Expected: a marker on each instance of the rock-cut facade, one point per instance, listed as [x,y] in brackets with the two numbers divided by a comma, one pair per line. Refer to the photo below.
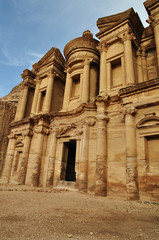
[90,119]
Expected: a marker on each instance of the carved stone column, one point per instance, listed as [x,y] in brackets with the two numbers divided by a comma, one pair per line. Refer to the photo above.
[139,66]
[35,99]
[41,131]
[51,162]
[103,68]
[48,98]
[25,155]
[22,103]
[154,21]
[128,54]
[144,66]
[67,90]
[9,160]
[101,155]
[83,163]
[28,80]
[86,81]
[131,155]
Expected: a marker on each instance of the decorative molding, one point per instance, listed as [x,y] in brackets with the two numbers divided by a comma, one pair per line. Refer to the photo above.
[42,130]
[70,130]
[147,122]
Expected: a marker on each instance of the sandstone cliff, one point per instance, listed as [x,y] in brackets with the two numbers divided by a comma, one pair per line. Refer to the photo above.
[8,106]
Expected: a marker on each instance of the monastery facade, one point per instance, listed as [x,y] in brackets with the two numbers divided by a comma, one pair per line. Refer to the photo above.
[91,119]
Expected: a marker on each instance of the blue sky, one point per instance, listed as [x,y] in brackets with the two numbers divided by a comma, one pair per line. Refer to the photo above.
[29,28]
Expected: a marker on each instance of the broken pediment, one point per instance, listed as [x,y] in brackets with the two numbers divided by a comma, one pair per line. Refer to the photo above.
[69,131]
[151,121]
[107,23]
[52,56]
[19,143]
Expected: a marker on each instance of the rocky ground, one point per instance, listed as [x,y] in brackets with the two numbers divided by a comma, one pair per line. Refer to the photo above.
[60,215]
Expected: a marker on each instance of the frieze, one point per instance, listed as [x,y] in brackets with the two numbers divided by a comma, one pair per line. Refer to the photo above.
[69,131]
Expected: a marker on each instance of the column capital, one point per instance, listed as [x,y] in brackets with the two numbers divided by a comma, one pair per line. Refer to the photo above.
[128,36]
[102,47]
[12,136]
[42,130]
[130,111]
[87,61]
[152,21]
[28,132]
[67,70]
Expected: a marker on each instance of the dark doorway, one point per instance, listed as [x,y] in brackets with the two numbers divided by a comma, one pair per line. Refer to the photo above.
[68,162]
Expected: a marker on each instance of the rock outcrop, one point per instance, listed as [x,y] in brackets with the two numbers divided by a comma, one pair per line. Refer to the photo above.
[8,105]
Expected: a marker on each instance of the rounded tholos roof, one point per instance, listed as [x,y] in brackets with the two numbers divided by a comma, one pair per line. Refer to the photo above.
[84,43]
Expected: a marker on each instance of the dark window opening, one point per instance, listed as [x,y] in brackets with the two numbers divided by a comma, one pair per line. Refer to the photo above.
[68,162]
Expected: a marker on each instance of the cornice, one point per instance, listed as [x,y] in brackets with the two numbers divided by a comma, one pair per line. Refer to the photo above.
[124,92]
[28,74]
[150,4]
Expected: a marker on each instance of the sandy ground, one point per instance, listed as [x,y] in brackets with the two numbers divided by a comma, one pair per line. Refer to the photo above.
[73,215]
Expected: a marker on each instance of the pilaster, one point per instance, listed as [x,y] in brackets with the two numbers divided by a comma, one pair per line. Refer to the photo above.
[101,154]
[86,80]
[128,54]
[24,162]
[35,99]
[48,98]
[51,159]
[131,155]
[67,90]
[83,163]
[28,81]
[103,68]
[40,131]
[9,160]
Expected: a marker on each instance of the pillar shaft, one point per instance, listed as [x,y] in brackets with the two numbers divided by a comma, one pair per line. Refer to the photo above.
[22,104]
[131,157]
[48,98]
[101,154]
[51,161]
[103,70]
[86,81]
[128,54]
[67,91]
[8,161]
[139,67]
[37,160]
[156,32]
[24,161]
[83,164]
[35,99]
[144,67]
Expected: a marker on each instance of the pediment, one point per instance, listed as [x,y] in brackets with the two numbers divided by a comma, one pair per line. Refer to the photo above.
[107,23]
[69,131]
[52,56]
[19,143]
[147,122]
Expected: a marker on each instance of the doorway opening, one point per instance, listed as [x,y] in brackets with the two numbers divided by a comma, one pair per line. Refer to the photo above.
[68,161]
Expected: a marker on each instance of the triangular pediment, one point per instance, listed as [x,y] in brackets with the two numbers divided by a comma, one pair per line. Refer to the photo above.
[53,55]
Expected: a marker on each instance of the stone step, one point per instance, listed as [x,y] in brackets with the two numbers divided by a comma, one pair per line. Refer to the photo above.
[67,185]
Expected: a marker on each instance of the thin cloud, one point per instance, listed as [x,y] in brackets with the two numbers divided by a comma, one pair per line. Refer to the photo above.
[10,60]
